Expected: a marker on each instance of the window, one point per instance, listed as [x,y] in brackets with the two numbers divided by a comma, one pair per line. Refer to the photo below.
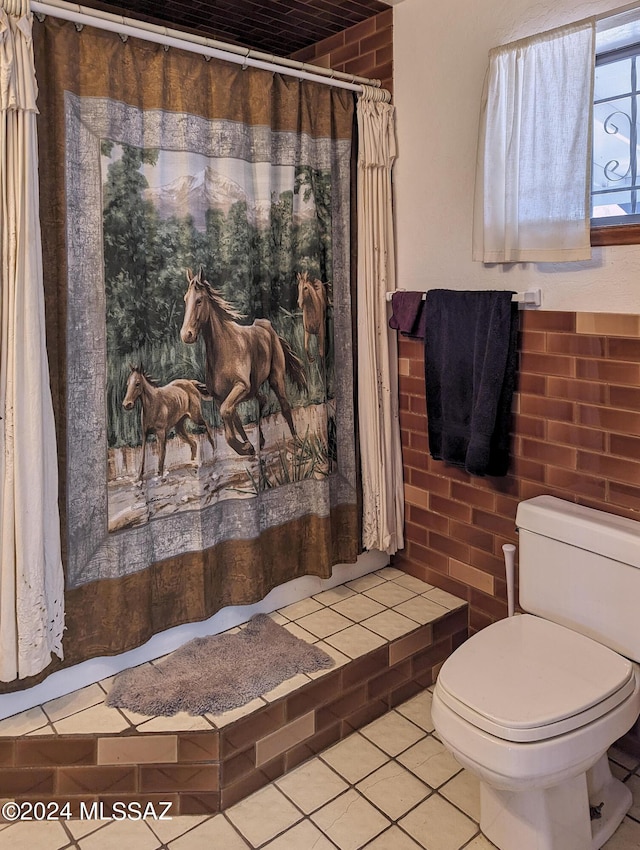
[615,193]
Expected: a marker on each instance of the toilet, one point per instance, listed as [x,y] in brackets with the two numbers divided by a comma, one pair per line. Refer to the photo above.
[531,704]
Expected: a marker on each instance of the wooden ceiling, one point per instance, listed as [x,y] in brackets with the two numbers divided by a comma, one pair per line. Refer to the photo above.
[278,27]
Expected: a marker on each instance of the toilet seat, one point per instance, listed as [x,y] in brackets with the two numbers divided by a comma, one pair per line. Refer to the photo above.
[527,679]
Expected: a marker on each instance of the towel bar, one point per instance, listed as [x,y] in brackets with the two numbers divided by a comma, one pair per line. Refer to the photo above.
[530,298]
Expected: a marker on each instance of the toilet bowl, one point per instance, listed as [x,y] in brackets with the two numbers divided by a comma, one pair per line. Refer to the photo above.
[518,712]
[531,706]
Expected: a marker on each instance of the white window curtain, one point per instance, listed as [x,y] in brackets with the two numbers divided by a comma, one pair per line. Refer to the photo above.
[381,454]
[31,577]
[533,180]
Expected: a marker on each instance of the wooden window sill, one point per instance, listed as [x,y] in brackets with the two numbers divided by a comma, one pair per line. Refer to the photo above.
[616,234]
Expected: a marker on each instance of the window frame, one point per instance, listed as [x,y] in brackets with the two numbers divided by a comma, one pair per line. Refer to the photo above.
[618,233]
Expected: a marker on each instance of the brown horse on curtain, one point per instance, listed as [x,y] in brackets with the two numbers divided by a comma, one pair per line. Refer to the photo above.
[312,300]
[164,408]
[240,358]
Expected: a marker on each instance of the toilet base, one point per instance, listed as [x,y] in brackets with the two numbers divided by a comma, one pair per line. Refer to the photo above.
[555,818]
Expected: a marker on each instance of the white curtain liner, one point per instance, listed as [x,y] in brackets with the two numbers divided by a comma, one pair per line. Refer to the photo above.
[381,453]
[85,16]
[31,574]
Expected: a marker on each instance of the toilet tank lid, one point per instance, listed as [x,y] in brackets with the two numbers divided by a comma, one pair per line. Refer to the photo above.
[604,534]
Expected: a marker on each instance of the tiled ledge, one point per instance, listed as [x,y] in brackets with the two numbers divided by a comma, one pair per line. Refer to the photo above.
[388,633]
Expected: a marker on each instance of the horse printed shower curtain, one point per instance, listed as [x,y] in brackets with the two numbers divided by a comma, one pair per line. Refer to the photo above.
[196,236]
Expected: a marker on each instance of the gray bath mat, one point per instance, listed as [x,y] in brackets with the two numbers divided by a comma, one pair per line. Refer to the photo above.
[214,674]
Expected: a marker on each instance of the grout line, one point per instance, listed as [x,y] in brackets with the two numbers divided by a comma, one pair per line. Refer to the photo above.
[233,826]
[473,838]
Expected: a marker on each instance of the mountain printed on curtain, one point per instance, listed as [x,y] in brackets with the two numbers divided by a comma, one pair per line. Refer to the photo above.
[220,358]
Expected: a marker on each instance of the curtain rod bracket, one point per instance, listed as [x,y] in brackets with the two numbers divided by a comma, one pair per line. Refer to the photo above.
[530,298]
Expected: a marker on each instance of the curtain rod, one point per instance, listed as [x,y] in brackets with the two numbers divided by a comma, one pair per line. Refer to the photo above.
[84,16]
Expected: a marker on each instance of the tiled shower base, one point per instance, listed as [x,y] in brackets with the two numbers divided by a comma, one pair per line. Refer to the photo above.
[388,633]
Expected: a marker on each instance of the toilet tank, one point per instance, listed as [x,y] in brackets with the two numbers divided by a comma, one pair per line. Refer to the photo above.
[581,568]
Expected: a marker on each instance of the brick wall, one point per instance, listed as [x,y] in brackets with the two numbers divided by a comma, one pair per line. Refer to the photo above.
[365,50]
[576,435]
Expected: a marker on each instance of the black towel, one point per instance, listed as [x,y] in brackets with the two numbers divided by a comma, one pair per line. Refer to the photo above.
[408,314]
[470,371]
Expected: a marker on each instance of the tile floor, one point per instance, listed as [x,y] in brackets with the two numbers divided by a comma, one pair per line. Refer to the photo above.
[390,786]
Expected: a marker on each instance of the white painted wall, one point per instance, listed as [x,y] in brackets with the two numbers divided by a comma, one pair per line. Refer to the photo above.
[440,59]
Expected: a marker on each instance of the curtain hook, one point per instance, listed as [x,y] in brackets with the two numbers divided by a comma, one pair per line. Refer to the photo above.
[123,37]
[244,64]
[79,27]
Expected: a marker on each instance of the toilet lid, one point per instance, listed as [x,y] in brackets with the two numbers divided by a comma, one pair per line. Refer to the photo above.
[528,679]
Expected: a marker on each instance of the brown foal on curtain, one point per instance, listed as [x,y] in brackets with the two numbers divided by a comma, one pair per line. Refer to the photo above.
[164,408]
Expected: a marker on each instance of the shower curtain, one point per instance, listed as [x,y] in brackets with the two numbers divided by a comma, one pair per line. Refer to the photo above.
[196,237]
